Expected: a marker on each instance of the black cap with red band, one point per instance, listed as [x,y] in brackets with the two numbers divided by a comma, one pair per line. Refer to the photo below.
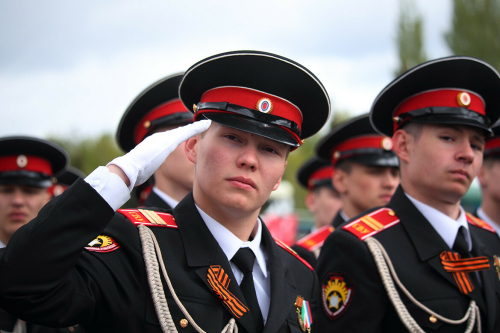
[492,146]
[65,180]
[257,92]
[356,140]
[30,161]
[453,90]
[156,107]
[315,173]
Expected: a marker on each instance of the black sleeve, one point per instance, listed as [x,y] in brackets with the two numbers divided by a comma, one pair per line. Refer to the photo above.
[305,254]
[346,259]
[46,277]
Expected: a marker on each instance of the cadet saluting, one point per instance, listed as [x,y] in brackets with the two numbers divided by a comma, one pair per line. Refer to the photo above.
[261,106]
[419,264]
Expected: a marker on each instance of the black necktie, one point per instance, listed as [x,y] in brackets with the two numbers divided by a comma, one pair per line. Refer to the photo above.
[244,260]
[462,247]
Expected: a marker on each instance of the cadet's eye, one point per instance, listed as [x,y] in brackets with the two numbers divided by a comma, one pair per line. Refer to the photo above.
[232,137]
[271,150]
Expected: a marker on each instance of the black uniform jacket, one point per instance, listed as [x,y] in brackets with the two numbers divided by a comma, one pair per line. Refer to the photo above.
[338,220]
[153,200]
[414,248]
[47,278]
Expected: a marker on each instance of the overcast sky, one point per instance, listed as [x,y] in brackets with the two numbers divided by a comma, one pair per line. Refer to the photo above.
[72,67]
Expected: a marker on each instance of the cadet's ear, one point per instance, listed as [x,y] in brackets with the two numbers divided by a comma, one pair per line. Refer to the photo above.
[279,180]
[339,181]
[191,147]
[401,141]
[482,176]
[311,201]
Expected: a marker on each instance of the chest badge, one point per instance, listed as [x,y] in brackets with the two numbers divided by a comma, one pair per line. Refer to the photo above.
[102,243]
[304,314]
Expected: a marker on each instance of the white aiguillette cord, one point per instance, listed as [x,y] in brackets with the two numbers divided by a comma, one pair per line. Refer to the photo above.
[382,260]
[152,256]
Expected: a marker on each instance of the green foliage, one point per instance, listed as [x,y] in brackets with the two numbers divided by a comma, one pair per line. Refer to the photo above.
[298,157]
[476,30]
[409,39]
[87,154]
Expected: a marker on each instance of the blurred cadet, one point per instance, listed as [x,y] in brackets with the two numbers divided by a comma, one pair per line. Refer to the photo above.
[158,109]
[65,180]
[366,168]
[489,178]
[221,268]
[143,191]
[27,167]
[322,200]
[421,264]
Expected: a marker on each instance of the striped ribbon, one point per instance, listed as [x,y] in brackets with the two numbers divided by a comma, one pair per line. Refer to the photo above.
[219,281]
[453,263]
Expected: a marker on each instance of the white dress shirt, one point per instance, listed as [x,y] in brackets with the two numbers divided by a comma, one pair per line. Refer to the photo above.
[445,226]
[1,244]
[165,197]
[482,215]
[230,244]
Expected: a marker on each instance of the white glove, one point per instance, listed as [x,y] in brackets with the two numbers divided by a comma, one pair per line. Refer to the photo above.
[142,161]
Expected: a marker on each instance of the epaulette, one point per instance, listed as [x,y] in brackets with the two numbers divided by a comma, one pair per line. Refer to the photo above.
[372,223]
[288,249]
[149,218]
[476,221]
[316,238]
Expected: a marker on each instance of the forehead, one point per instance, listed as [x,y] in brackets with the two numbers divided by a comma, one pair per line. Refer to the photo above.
[220,129]
[470,130]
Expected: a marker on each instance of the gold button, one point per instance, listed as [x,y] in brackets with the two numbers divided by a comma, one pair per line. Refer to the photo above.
[463,99]
[146,124]
[195,108]
[433,319]
[184,323]
[336,155]
[71,328]
[391,213]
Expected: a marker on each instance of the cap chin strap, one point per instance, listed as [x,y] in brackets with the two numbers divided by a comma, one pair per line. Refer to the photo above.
[152,256]
[382,261]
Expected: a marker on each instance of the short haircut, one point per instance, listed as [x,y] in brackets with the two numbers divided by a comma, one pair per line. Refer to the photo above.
[344,165]
[414,129]
[490,160]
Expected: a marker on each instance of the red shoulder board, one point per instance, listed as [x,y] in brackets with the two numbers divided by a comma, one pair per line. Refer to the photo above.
[149,218]
[476,221]
[288,249]
[372,223]
[315,239]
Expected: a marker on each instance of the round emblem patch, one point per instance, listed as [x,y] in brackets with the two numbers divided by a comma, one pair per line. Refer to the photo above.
[102,243]
[22,161]
[463,99]
[386,143]
[336,294]
[264,105]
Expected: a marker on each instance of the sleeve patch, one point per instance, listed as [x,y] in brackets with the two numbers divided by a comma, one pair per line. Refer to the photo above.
[372,223]
[102,244]
[292,252]
[336,294]
[149,218]
[315,239]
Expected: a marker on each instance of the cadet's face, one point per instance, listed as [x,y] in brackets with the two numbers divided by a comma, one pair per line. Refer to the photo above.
[235,170]
[489,176]
[444,160]
[324,203]
[367,187]
[19,204]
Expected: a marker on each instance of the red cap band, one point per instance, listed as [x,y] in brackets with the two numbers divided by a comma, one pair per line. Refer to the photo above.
[23,162]
[163,110]
[441,98]
[371,141]
[493,143]
[320,174]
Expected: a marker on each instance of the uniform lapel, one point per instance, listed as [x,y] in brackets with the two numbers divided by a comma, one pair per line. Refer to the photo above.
[202,251]
[427,242]
[283,291]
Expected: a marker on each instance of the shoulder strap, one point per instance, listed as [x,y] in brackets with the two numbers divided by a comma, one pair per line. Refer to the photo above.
[316,238]
[292,252]
[372,223]
[149,218]
[476,221]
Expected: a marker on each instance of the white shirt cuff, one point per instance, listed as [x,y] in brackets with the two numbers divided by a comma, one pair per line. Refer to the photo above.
[109,186]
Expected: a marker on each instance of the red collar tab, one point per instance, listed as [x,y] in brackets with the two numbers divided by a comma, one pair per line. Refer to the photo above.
[372,223]
[492,146]
[166,109]
[25,162]
[476,221]
[454,98]
[149,218]
[315,239]
[318,175]
[292,252]
[360,145]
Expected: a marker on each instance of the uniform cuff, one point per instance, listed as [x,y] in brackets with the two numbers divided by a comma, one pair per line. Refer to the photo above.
[109,186]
